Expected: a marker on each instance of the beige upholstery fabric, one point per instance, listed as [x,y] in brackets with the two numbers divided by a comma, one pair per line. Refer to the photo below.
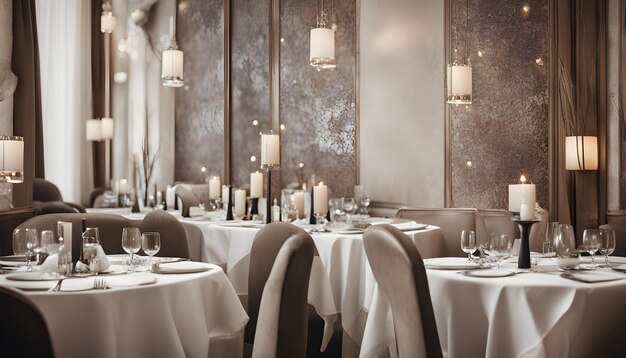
[401,277]
[24,331]
[187,198]
[451,221]
[173,238]
[45,192]
[620,237]
[282,323]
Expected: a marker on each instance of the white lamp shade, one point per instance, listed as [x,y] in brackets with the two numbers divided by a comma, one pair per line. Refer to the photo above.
[581,153]
[459,84]
[12,157]
[107,128]
[172,68]
[322,46]
[94,130]
[107,22]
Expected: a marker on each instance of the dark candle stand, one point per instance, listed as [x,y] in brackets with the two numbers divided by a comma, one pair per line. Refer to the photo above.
[269,202]
[523,261]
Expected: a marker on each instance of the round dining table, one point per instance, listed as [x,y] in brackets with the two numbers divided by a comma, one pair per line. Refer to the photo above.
[144,314]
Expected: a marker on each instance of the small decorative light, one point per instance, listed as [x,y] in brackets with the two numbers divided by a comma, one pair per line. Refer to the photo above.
[203,169]
[539,61]
[300,165]
[480,53]
[525,10]
[107,20]
[120,77]
[282,39]
[255,122]
[282,127]
[469,163]
[253,158]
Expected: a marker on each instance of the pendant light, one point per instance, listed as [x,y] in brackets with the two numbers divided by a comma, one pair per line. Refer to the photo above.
[459,73]
[172,61]
[107,20]
[322,52]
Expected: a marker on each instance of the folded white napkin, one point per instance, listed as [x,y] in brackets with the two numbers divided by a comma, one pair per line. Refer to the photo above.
[101,262]
[195,211]
[594,276]
[50,264]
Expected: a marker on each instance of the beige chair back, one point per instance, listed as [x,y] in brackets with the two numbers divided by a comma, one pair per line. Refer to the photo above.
[401,277]
[187,198]
[24,331]
[451,221]
[281,329]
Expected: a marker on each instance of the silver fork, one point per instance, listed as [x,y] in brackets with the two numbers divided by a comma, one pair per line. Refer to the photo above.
[57,287]
[100,284]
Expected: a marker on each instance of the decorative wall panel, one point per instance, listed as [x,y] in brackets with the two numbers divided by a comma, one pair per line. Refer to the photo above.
[249,85]
[317,108]
[200,103]
[504,133]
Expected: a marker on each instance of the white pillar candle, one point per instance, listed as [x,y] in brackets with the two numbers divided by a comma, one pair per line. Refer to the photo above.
[122,187]
[94,130]
[170,197]
[270,149]
[526,212]
[225,198]
[240,203]
[214,187]
[519,193]
[256,185]
[320,199]
[298,199]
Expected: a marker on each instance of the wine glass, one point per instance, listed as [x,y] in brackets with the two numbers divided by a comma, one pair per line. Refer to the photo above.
[500,247]
[20,246]
[151,244]
[591,243]
[365,202]
[349,206]
[128,201]
[607,244]
[552,229]
[91,242]
[567,256]
[468,243]
[131,242]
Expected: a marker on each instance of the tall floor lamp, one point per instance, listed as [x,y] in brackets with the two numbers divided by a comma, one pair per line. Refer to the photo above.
[581,154]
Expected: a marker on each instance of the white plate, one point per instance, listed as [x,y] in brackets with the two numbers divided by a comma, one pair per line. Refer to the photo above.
[86,283]
[33,276]
[181,267]
[450,263]
[593,276]
[489,273]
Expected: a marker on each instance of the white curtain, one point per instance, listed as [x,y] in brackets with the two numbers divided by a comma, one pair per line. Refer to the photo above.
[64,30]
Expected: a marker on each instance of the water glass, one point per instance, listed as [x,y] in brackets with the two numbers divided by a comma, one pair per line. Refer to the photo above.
[128,200]
[349,206]
[131,243]
[500,247]
[567,256]
[336,209]
[468,243]
[607,245]
[91,242]
[20,246]
[365,202]
[552,229]
[591,243]
[151,243]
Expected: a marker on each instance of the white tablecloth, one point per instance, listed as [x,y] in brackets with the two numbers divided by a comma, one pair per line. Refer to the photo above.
[526,315]
[181,315]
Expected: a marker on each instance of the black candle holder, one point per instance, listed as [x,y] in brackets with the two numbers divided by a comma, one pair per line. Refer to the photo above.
[269,201]
[312,218]
[254,209]
[523,260]
[229,209]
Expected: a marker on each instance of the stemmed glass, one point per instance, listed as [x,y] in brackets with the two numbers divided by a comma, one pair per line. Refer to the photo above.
[131,242]
[26,242]
[591,243]
[565,248]
[468,243]
[349,207]
[552,229]
[500,247]
[91,241]
[151,244]
[128,201]
[607,245]
[365,202]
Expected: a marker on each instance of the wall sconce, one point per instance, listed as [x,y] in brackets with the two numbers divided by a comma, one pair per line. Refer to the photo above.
[172,61]
[322,41]
[581,153]
[11,168]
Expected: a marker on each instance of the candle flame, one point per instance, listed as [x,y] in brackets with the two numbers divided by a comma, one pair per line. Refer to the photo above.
[522,179]
[321,183]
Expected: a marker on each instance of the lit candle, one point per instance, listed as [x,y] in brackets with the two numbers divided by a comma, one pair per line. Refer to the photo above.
[225,198]
[122,187]
[214,187]
[270,149]
[519,193]
[256,185]
[170,197]
[298,199]
[320,199]
[240,203]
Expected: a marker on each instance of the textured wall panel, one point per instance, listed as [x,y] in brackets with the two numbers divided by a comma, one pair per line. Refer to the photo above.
[249,83]
[318,107]
[200,103]
[505,131]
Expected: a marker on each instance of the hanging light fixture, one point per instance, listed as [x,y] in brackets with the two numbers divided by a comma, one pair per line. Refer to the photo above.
[172,61]
[459,73]
[322,52]
[107,20]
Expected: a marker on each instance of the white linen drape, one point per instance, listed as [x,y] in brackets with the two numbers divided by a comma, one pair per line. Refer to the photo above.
[64,31]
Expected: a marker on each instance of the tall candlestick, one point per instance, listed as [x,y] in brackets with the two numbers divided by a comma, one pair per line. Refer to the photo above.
[229,207]
[270,149]
[320,197]
[214,187]
[256,185]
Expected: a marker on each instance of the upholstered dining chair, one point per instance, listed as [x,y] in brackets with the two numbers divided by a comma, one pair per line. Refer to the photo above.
[401,277]
[451,221]
[173,238]
[265,247]
[47,199]
[24,333]
[187,198]
[281,327]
